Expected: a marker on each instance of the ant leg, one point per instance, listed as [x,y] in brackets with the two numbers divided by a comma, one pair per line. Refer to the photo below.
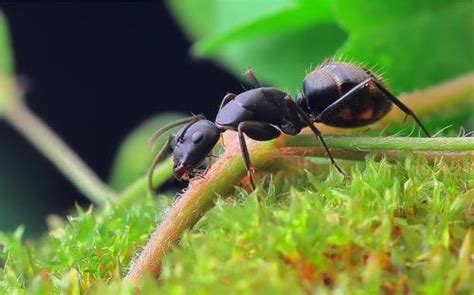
[165,150]
[400,105]
[209,164]
[252,78]
[258,131]
[245,153]
[292,105]
[343,99]
[228,97]
[360,87]
[167,127]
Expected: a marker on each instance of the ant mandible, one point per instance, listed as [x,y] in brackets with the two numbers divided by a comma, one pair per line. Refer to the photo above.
[338,94]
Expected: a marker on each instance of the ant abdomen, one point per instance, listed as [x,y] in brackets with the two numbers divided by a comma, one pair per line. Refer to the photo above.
[344,95]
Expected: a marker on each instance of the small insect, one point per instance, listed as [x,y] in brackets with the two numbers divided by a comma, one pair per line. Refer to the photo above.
[338,94]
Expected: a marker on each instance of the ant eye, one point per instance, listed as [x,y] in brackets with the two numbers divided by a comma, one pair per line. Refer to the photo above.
[197,137]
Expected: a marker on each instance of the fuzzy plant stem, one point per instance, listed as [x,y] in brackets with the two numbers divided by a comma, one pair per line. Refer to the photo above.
[229,169]
[55,150]
[386,143]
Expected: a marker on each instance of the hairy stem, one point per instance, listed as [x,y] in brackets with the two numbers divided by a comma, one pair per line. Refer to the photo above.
[385,143]
[55,150]
[229,169]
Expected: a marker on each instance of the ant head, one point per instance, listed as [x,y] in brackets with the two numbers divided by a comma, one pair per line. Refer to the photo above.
[192,145]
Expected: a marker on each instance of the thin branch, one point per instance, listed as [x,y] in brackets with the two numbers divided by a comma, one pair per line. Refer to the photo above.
[229,170]
[55,150]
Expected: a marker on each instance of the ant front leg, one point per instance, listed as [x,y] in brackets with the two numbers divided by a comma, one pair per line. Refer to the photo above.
[252,78]
[209,163]
[162,154]
[256,130]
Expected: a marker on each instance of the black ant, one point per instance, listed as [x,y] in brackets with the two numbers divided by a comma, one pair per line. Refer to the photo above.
[339,94]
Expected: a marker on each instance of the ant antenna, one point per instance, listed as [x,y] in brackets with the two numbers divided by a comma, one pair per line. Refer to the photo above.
[164,151]
[167,127]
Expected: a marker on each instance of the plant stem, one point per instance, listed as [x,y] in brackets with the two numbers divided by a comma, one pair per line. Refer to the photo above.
[229,169]
[189,208]
[357,148]
[55,150]
[385,143]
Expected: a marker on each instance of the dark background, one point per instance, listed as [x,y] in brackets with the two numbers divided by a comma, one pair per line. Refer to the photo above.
[96,71]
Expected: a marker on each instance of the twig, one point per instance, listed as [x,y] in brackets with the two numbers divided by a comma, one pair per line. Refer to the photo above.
[55,150]
[230,169]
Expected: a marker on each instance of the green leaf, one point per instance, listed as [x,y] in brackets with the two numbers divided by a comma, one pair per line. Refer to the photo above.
[213,17]
[416,43]
[134,157]
[285,20]
[283,60]
[272,37]
[6,55]
[361,15]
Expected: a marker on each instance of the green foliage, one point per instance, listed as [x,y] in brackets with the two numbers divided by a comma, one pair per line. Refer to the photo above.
[415,43]
[388,227]
[134,157]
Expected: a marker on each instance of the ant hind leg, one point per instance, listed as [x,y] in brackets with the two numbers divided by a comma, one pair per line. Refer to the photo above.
[400,105]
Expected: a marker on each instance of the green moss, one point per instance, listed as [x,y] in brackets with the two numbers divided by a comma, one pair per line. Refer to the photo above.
[387,227]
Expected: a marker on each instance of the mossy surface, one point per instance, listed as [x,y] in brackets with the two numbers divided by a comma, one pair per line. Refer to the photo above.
[387,227]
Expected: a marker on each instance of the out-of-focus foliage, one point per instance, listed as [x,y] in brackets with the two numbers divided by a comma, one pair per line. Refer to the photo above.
[134,157]
[415,43]
[387,228]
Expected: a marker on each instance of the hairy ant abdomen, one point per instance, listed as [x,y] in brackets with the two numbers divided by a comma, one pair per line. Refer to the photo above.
[353,91]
